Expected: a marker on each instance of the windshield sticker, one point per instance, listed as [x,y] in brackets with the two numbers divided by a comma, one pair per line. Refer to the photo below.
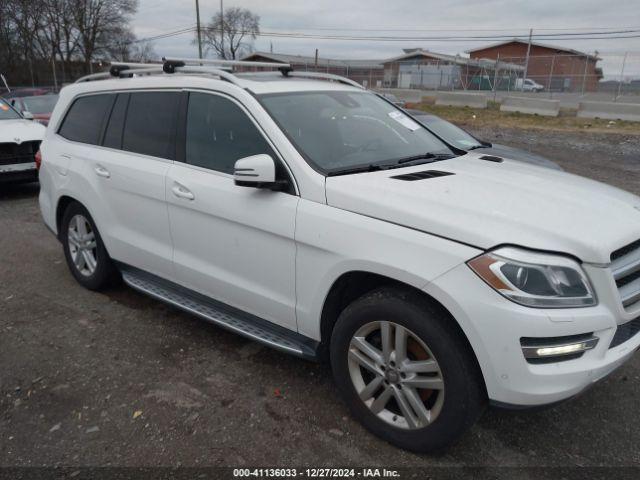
[405,121]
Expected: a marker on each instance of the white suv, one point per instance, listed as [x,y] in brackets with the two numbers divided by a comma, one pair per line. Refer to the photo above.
[315,217]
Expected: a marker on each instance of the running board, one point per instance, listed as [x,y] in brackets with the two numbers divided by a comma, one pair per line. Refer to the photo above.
[220,314]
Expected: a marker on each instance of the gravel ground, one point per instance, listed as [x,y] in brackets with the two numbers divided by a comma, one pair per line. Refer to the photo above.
[116,378]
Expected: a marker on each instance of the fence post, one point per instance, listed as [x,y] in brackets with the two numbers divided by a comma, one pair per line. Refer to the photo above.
[553,61]
[624,61]
[526,64]
[495,78]
[584,74]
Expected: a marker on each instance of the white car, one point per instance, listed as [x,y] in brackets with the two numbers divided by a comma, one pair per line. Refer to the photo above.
[19,142]
[528,85]
[317,218]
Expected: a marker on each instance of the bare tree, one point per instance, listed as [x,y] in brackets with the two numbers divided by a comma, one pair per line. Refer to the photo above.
[98,23]
[59,28]
[232,36]
[126,48]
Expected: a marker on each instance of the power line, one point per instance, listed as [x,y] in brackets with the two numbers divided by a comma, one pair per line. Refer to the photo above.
[458,29]
[619,34]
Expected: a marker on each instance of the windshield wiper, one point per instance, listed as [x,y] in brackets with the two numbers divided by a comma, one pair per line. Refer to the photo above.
[402,162]
[359,169]
[425,156]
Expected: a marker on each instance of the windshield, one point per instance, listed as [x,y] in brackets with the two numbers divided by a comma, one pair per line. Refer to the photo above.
[7,113]
[338,130]
[40,104]
[449,132]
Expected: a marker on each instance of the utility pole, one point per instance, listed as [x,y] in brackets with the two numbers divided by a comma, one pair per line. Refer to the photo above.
[198,28]
[526,63]
[222,30]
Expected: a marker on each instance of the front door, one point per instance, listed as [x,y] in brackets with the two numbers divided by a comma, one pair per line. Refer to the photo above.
[233,244]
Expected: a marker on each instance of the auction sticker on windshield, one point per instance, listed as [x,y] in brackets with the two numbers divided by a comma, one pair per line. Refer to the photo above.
[405,121]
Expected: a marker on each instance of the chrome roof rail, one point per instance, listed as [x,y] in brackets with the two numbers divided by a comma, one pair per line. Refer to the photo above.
[207,66]
[325,76]
[228,63]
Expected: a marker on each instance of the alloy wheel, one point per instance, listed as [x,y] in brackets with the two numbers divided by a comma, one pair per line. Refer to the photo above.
[82,245]
[396,375]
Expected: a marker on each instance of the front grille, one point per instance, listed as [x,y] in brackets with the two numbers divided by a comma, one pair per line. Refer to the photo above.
[625,266]
[12,153]
[625,332]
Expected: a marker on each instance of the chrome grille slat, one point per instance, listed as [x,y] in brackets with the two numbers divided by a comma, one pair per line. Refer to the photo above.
[626,265]
[625,268]
[630,293]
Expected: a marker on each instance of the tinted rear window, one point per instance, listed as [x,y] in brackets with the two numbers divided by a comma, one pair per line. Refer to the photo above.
[84,119]
[151,123]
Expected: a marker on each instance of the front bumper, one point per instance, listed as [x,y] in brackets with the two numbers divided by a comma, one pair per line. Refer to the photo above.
[19,172]
[494,327]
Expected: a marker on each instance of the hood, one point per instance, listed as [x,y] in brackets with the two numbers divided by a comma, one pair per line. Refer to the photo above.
[23,130]
[486,204]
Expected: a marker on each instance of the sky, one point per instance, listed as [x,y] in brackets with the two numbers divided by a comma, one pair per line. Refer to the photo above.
[405,18]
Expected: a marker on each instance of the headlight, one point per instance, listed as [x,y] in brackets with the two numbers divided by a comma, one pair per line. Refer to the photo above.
[535,279]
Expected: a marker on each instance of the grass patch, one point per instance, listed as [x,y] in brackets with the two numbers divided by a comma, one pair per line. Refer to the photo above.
[493,117]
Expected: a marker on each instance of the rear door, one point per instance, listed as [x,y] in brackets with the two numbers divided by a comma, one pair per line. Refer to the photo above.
[126,172]
[234,244]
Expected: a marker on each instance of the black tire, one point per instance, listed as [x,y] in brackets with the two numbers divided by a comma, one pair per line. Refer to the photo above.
[464,392]
[105,273]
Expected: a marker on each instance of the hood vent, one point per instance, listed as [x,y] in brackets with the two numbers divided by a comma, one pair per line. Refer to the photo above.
[410,177]
[492,158]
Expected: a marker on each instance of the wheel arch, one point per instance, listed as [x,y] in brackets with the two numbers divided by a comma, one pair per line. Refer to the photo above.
[354,284]
[63,203]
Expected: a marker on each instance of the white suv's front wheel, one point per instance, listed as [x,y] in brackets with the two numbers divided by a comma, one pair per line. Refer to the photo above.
[404,371]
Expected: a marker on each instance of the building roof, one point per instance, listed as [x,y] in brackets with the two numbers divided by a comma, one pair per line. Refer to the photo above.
[456,59]
[297,59]
[535,44]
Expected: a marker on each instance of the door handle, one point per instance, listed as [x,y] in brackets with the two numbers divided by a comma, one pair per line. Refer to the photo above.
[102,172]
[181,191]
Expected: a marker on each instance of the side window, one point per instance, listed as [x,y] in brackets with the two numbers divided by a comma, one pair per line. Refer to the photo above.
[219,133]
[150,124]
[113,133]
[83,122]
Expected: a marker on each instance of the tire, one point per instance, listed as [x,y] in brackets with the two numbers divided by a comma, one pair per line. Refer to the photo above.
[457,397]
[93,276]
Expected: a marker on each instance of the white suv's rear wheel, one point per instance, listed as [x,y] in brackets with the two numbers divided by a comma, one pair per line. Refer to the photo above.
[404,370]
[84,250]
[82,245]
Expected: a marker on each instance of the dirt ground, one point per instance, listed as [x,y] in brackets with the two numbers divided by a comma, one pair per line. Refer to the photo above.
[494,118]
[118,379]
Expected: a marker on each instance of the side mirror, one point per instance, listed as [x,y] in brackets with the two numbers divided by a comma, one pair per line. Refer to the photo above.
[257,171]
[27,115]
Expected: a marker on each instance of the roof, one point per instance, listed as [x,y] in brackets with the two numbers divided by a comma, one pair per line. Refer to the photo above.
[298,59]
[456,59]
[535,44]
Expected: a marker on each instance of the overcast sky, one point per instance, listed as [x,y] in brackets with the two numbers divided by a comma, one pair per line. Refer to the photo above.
[402,18]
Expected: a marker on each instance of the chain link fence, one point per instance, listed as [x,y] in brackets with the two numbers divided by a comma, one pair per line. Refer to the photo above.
[611,76]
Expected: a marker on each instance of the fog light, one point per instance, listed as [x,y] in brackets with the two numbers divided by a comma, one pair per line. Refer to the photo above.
[557,348]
